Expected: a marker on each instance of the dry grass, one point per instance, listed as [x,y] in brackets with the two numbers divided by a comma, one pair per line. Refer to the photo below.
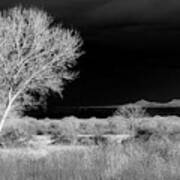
[156,159]
[95,163]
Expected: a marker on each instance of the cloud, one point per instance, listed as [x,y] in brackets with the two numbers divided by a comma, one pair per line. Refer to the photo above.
[102,12]
[75,10]
[135,11]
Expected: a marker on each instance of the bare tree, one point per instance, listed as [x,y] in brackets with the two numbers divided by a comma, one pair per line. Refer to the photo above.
[35,53]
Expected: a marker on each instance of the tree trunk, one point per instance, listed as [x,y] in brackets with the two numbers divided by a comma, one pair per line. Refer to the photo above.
[5,114]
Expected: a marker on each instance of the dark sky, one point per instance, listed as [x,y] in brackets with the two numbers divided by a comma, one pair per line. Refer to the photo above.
[132,48]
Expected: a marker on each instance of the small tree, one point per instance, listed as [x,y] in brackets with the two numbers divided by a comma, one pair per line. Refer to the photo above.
[132,113]
[35,53]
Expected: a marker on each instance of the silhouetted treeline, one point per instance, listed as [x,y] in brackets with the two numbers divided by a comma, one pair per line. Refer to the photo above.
[60,112]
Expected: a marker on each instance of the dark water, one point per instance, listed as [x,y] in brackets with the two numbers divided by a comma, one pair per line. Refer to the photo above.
[164,111]
[60,112]
[106,112]
[84,112]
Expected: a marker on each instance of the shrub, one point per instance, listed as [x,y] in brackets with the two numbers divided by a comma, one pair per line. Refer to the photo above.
[83,128]
[93,127]
[98,129]
[133,115]
[85,140]
[112,127]
[40,128]
[60,138]
[53,128]
[131,111]
[63,136]
[100,140]
[14,137]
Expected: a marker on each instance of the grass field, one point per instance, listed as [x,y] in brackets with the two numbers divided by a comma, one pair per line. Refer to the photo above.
[53,150]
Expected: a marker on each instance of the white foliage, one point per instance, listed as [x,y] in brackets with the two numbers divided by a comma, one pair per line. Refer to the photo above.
[33,53]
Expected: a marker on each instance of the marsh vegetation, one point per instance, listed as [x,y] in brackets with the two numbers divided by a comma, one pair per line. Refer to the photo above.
[91,149]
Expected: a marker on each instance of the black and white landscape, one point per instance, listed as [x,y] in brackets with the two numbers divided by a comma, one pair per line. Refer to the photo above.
[89,90]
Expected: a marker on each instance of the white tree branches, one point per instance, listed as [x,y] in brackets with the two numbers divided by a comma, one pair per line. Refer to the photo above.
[33,53]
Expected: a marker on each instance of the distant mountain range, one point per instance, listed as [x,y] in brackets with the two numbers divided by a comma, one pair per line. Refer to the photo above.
[144,103]
[172,103]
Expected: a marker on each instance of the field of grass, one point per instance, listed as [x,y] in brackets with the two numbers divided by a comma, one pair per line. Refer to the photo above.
[65,150]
